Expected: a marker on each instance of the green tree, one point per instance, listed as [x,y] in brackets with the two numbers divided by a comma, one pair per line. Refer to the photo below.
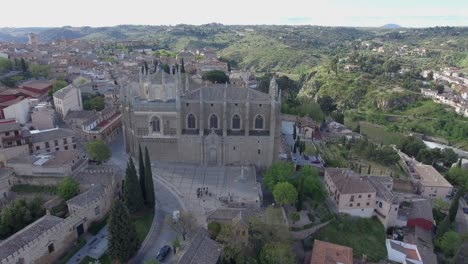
[123,240]
[295,217]
[68,188]
[454,205]
[449,243]
[334,65]
[277,253]
[294,131]
[327,104]
[149,186]
[284,193]
[132,196]
[57,85]
[97,103]
[215,76]
[214,229]
[411,146]
[449,157]
[141,173]
[457,175]
[24,66]
[313,187]
[98,150]
[278,172]
[175,244]
[6,65]
[182,226]
[182,66]
[18,214]
[235,244]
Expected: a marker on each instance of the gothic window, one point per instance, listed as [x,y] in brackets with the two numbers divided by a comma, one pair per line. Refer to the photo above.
[258,122]
[191,121]
[236,122]
[156,124]
[213,121]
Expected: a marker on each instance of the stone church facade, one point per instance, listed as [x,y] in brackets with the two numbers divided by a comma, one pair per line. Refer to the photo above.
[215,124]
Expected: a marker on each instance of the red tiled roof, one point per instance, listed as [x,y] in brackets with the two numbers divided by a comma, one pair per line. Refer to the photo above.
[329,253]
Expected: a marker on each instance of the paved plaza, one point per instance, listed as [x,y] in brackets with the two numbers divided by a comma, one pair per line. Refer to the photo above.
[211,187]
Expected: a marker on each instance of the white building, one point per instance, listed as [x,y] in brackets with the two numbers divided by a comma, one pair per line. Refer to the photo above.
[18,111]
[66,99]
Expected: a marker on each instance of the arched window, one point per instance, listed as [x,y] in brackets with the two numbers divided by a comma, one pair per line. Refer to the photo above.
[191,121]
[236,122]
[258,122]
[156,124]
[213,121]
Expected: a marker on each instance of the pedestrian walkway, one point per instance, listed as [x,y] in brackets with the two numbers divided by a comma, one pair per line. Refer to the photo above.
[95,247]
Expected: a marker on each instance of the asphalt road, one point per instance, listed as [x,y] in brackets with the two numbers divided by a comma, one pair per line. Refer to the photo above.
[166,202]
[461,222]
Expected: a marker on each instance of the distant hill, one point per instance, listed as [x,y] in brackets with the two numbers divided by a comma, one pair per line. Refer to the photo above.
[391,26]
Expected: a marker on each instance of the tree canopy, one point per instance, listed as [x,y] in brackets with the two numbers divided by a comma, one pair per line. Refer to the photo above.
[19,214]
[132,195]
[277,253]
[280,171]
[123,240]
[284,193]
[149,185]
[98,150]
[327,104]
[215,76]
[68,188]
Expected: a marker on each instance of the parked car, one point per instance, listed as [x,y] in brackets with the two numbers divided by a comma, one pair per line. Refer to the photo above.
[163,252]
[465,210]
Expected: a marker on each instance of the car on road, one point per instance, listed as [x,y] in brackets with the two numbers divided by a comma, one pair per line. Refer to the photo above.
[163,252]
[465,210]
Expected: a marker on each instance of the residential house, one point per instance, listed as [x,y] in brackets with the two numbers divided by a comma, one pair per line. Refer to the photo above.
[66,99]
[386,203]
[329,253]
[104,125]
[50,140]
[188,56]
[202,250]
[363,196]
[431,184]
[14,140]
[351,192]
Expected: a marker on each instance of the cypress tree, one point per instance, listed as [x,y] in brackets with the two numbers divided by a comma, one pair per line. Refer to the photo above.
[123,240]
[294,131]
[369,169]
[149,187]
[132,196]
[454,205]
[182,66]
[141,173]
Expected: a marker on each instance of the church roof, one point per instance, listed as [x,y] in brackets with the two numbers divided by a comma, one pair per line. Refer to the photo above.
[233,93]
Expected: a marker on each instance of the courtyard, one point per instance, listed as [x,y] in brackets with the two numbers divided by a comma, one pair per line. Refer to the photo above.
[209,188]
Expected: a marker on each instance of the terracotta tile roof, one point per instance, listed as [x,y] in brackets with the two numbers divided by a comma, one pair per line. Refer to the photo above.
[329,253]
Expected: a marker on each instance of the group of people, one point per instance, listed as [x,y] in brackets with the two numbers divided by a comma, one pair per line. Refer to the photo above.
[202,191]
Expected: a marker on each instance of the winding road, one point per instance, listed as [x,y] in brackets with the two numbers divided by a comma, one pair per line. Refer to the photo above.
[160,233]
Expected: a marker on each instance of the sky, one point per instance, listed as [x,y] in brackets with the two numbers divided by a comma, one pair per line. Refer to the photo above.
[356,13]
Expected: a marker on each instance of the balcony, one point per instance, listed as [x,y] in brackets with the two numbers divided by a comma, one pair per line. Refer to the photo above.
[259,132]
[11,138]
[190,131]
[236,132]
